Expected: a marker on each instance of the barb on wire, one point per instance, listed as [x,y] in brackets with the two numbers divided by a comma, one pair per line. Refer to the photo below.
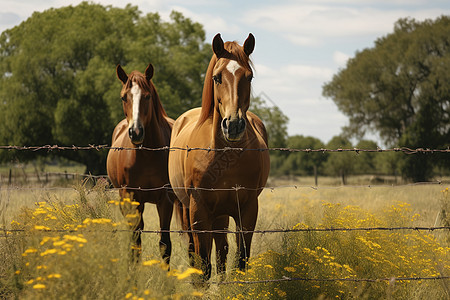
[187,148]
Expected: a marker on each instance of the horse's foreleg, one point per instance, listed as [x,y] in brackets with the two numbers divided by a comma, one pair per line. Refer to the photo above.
[165,210]
[221,241]
[245,222]
[200,221]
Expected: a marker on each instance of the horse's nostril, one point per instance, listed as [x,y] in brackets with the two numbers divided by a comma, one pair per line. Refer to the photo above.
[241,125]
[136,134]
[225,123]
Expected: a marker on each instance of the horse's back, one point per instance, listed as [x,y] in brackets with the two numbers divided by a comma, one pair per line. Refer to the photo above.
[181,132]
[188,118]
[113,155]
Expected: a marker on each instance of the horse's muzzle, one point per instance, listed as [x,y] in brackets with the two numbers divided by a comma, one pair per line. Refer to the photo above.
[233,130]
[136,134]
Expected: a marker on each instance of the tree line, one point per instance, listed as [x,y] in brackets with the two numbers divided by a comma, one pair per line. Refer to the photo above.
[57,86]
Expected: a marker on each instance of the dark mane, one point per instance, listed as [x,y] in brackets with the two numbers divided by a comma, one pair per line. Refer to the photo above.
[233,52]
[148,88]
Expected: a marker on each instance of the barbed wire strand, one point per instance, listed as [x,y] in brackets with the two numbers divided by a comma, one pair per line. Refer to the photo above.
[49,148]
[168,187]
[291,279]
[258,231]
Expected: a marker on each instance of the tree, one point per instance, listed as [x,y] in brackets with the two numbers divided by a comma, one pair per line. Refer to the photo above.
[400,89]
[58,82]
[340,163]
[304,163]
[276,126]
[364,162]
[274,120]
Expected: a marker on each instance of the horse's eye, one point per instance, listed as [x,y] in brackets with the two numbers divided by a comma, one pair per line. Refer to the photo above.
[217,78]
[124,98]
[250,78]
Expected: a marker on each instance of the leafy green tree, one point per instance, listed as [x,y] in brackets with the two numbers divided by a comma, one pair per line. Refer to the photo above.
[340,163]
[304,163]
[58,82]
[388,163]
[399,88]
[364,162]
[274,121]
[276,126]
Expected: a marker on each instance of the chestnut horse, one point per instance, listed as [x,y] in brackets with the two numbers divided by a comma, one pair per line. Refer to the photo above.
[146,124]
[222,121]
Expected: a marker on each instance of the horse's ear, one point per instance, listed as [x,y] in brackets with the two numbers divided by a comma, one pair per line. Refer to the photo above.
[249,44]
[149,72]
[217,45]
[121,74]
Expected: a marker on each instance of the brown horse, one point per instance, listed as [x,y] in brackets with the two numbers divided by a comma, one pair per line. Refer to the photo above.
[222,121]
[146,124]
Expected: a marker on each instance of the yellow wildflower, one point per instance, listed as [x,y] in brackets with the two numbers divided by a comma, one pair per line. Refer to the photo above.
[28,251]
[101,221]
[150,262]
[59,243]
[188,272]
[290,269]
[41,227]
[131,216]
[79,238]
[56,275]
[39,286]
[49,251]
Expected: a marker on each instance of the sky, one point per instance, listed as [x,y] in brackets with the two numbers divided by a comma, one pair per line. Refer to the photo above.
[300,45]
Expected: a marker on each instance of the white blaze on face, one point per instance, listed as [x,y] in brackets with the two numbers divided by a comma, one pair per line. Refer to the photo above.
[233,66]
[136,92]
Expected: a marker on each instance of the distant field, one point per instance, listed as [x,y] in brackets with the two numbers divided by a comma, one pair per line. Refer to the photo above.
[100,268]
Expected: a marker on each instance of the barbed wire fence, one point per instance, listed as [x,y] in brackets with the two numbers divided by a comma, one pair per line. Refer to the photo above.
[390,280]
[225,149]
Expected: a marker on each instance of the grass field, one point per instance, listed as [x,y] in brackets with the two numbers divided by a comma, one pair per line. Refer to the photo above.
[68,249]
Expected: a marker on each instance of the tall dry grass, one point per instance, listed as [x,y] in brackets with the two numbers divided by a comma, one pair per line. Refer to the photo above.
[88,255]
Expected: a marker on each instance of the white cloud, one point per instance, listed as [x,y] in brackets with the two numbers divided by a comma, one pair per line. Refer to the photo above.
[312,24]
[296,89]
[211,23]
[340,58]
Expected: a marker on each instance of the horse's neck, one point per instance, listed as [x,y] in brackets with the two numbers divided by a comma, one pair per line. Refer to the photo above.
[155,133]
[217,140]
